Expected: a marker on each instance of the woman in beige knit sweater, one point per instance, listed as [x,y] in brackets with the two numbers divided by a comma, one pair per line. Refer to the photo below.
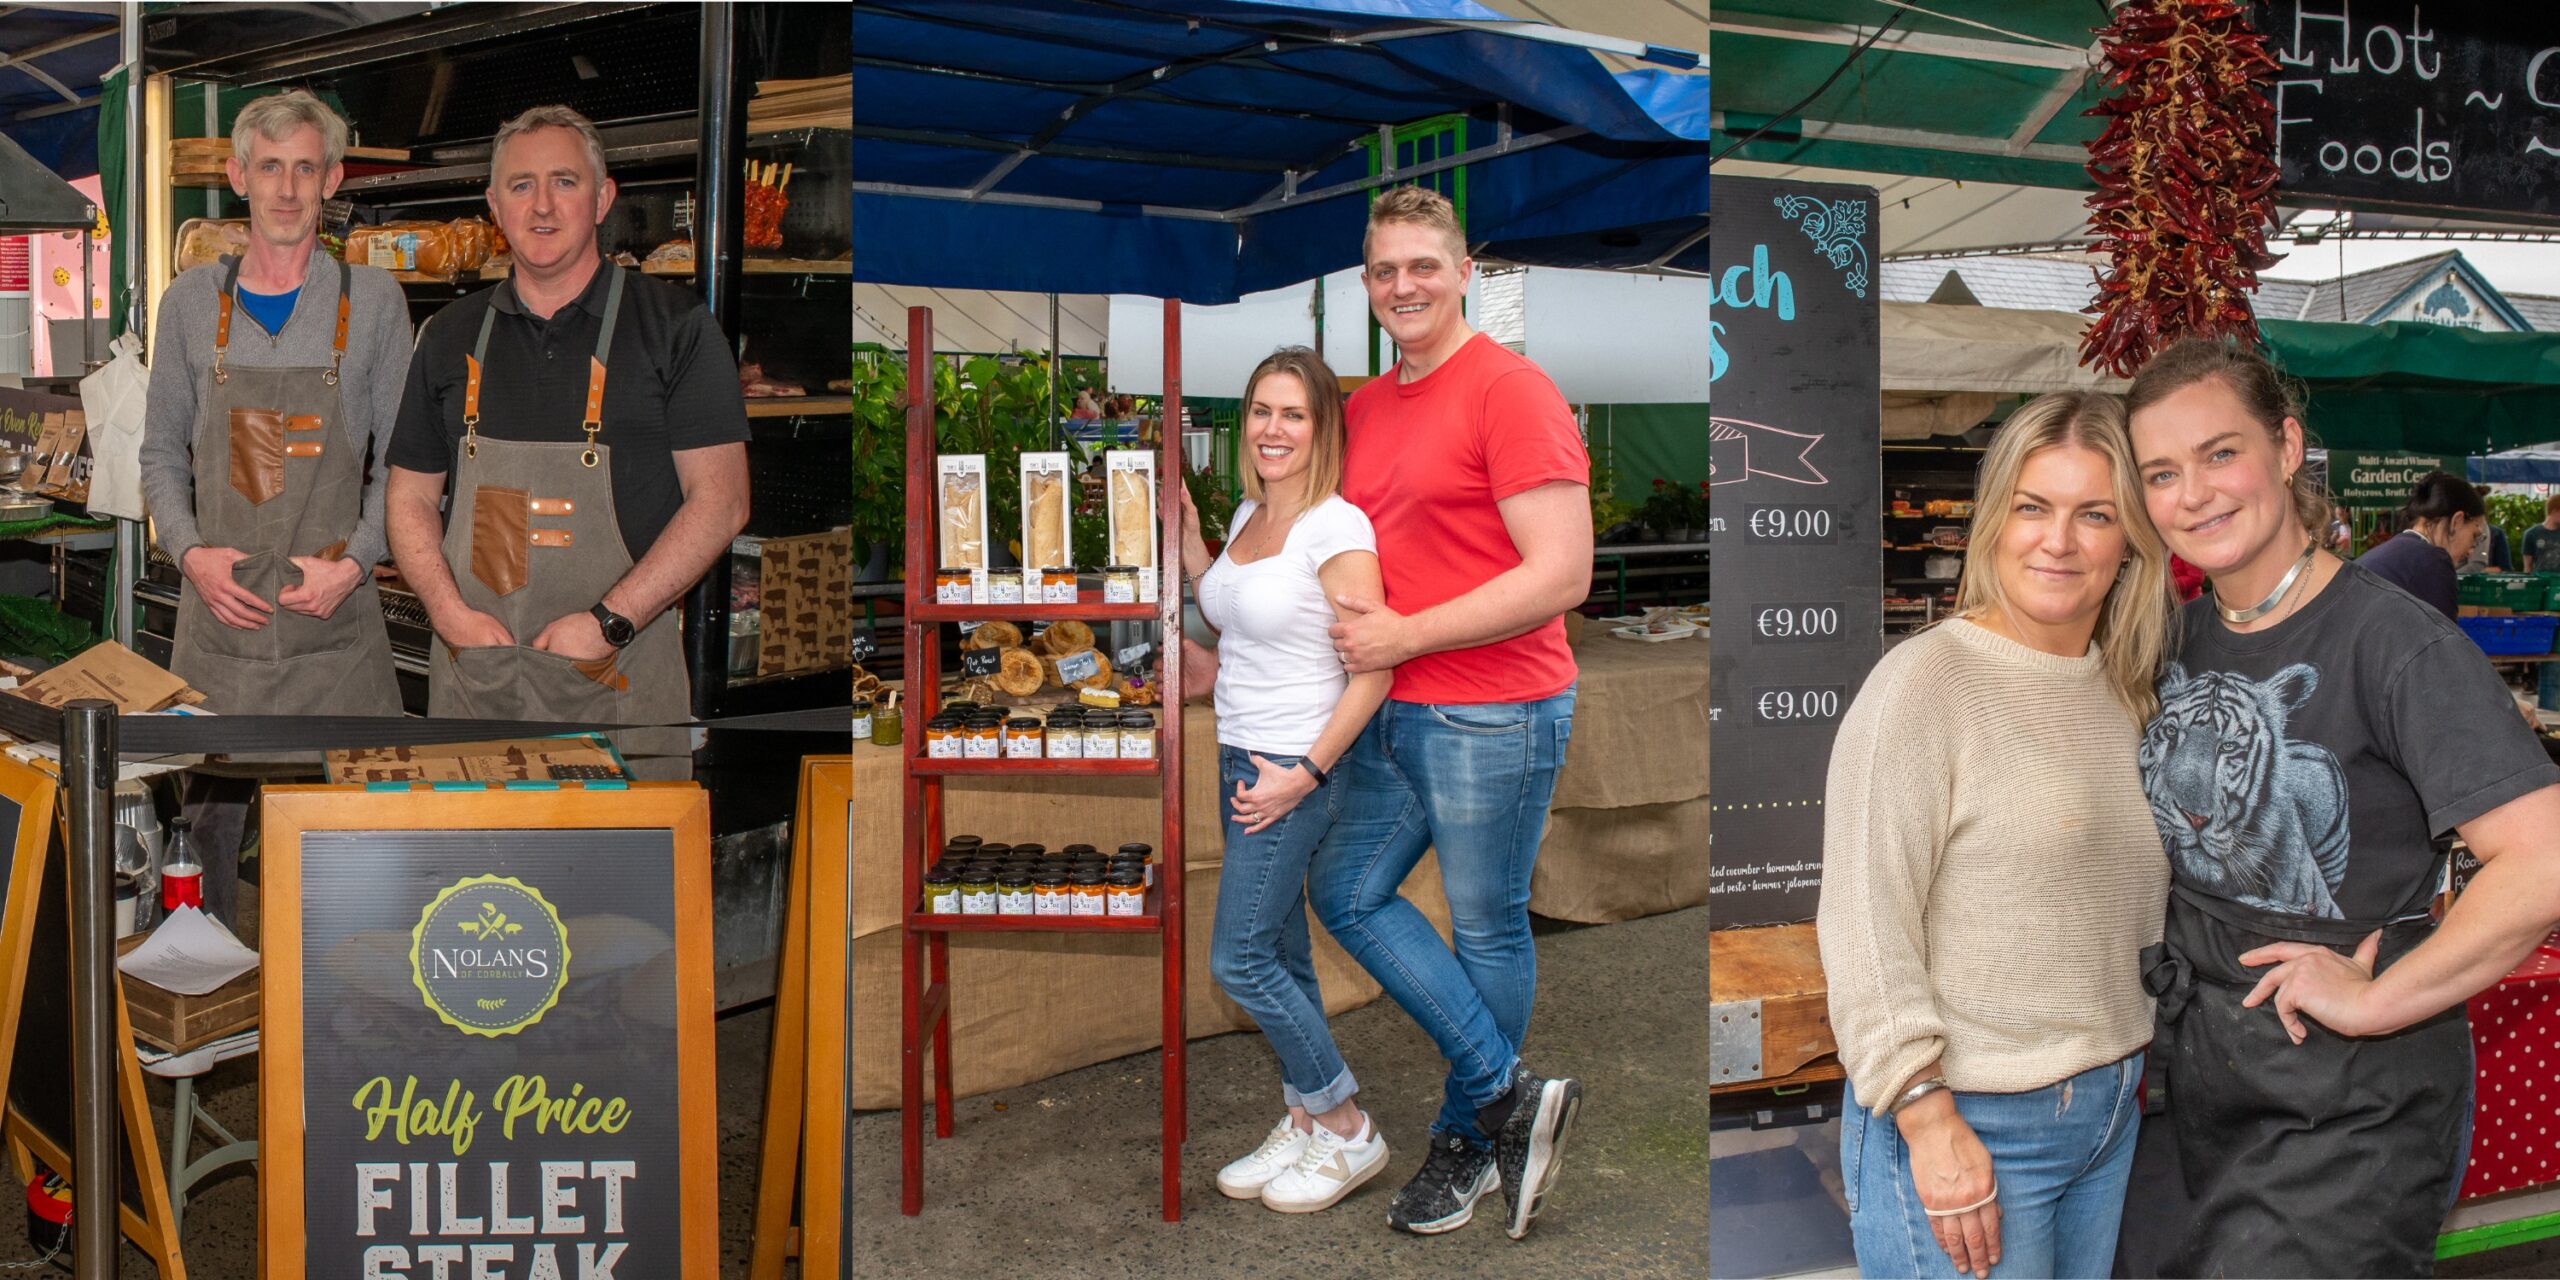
[1991,876]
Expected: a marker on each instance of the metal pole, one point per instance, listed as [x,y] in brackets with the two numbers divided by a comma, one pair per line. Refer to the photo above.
[97,1147]
[128,229]
[720,239]
[88,357]
[1057,352]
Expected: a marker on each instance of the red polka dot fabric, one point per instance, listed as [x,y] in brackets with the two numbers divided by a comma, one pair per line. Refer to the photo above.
[2515,1032]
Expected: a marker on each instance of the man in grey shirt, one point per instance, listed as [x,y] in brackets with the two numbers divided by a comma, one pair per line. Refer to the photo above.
[271,375]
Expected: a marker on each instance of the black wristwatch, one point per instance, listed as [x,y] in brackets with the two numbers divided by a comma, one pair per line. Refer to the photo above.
[617,629]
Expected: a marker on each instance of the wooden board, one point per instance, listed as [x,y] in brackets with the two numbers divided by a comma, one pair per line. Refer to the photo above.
[809,1086]
[381,976]
[1781,967]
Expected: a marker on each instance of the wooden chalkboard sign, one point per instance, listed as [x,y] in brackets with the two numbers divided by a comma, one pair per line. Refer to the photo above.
[2452,105]
[35,1020]
[1795,481]
[487,1033]
[809,1085]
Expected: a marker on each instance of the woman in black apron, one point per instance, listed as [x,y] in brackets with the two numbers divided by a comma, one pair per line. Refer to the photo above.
[2320,733]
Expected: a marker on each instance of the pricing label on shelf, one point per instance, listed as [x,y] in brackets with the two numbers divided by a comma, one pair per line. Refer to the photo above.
[981,662]
[1129,659]
[864,646]
[1794,526]
[967,627]
[1797,704]
[1797,622]
[1081,665]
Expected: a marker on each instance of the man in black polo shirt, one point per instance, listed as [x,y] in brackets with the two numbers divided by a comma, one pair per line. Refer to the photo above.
[589,421]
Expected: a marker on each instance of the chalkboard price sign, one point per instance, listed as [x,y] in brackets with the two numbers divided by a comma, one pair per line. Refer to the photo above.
[466,1033]
[2447,105]
[864,646]
[981,662]
[1796,491]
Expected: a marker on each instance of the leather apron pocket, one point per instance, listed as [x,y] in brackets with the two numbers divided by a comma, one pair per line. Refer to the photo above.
[519,682]
[501,538]
[286,634]
[257,454]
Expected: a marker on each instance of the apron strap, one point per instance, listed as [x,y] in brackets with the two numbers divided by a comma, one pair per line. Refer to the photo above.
[471,380]
[222,327]
[338,345]
[594,421]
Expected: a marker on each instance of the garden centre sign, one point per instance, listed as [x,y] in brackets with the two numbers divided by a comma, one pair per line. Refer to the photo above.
[1793,447]
[2382,479]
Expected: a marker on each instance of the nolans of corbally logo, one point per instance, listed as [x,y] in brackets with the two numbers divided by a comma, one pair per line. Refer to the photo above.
[490,955]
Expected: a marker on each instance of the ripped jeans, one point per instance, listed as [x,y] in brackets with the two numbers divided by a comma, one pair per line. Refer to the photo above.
[2060,1156]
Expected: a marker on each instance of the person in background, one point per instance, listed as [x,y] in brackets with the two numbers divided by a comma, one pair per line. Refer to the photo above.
[2441,523]
[1991,876]
[254,462]
[2500,559]
[589,423]
[2319,733]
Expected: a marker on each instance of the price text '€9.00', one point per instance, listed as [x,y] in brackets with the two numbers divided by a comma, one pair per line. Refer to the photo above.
[1800,622]
[1797,704]
[1794,526]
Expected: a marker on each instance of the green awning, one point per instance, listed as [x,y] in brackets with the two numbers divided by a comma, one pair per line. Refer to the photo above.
[2427,388]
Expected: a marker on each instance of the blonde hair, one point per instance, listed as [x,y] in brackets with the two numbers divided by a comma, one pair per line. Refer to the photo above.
[1324,414]
[553,116]
[1415,206]
[279,114]
[2133,623]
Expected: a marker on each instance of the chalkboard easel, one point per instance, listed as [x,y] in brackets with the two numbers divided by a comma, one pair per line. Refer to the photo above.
[807,1091]
[35,1021]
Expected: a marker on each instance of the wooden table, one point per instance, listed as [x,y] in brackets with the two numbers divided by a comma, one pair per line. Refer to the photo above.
[1780,968]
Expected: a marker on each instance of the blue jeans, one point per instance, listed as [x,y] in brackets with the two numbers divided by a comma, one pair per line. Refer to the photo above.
[1472,781]
[2061,1156]
[1258,950]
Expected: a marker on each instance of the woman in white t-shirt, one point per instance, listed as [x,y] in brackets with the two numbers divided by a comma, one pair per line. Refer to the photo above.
[1287,712]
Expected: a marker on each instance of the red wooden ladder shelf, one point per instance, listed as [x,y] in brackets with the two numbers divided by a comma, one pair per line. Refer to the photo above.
[924,965]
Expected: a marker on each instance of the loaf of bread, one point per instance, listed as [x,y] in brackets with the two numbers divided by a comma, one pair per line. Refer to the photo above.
[430,248]
[203,240]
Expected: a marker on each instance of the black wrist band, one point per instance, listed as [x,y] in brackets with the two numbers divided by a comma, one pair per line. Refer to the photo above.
[1309,764]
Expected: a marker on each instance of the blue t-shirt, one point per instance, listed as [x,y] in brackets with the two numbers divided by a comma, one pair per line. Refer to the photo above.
[270,310]
[2416,566]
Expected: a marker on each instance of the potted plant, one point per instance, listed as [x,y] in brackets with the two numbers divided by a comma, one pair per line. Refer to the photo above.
[1676,512]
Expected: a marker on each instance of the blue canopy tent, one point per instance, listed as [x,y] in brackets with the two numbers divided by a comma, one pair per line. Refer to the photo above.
[1205,151]
[2516,466]
[51,63]
[1196,152]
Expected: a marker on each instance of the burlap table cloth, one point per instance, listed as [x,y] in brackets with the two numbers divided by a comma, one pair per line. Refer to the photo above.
[1029,1006]
[1627,830]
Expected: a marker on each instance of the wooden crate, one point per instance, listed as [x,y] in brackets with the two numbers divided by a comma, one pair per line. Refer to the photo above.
[1781,968]
[167,1020]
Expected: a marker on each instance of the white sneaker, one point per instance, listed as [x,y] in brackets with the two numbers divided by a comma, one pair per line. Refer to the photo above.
[1328,1170]
[1245,1179]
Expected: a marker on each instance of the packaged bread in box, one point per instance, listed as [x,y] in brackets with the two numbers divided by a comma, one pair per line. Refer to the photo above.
[203,240]
[1046,543]
[429,248]
[960,501]
[1129,490]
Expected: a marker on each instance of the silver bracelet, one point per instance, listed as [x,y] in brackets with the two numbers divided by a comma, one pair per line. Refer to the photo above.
[1918,1090]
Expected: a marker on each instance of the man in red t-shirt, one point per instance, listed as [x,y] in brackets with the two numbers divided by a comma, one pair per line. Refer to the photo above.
[1471,468]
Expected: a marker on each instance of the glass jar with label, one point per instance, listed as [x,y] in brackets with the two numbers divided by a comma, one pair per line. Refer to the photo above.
[951,585]
[942,891]
[1137,735]
[1005,588]
[1031,852]
[1058,585]
[1079,851]
[1119,584]
[1065,735]
[986,738]
[1050,895]
[1125,893]
[861,719]
[942,738]
[1013,893]
[1022,738]
[994,852]
[1088,890]
[888,727]
[957,849]
[1101,737]
[978,891]
[961,707]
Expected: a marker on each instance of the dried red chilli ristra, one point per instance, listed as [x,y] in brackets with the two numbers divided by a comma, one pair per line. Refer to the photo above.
[2186,177]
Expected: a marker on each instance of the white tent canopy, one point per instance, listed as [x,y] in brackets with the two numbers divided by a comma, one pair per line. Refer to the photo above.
[982,322]
[1947,367]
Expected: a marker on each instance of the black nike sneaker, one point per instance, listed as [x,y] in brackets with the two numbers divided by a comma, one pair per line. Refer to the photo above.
[1442,1197]
[1528,1145]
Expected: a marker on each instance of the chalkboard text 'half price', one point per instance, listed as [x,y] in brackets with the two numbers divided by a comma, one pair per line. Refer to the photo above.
[1745,287]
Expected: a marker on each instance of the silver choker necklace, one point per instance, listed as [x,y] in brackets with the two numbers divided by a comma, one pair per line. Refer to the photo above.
[2266,606]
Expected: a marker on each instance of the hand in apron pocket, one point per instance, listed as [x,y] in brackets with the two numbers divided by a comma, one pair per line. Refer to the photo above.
[519,682]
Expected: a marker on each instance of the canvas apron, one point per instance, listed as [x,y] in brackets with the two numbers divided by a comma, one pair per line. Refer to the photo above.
[532,537]
[278,475]
[2334,1157]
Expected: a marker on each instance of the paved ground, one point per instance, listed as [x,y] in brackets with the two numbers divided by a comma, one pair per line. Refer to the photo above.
[1058,1178]
[221,1224]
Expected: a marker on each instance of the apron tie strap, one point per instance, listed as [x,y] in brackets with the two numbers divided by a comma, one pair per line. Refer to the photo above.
[337,345]
[471,382]
[594,421]
[2169,980]
[222,325]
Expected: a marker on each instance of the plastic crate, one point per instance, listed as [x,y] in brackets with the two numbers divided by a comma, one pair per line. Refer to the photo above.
[2523,592]
[2511,636]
